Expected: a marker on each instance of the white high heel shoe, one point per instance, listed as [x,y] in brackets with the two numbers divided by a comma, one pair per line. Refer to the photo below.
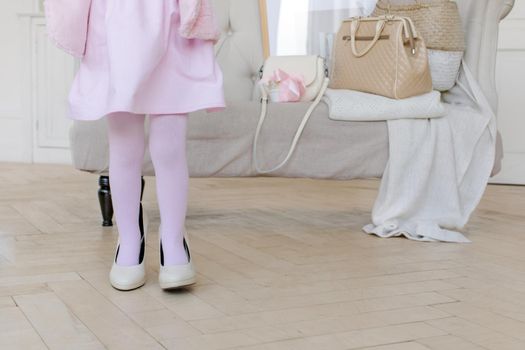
[132,276]
[175,276]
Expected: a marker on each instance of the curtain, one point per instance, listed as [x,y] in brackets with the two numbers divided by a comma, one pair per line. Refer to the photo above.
[306,27]
[324,19]
[292,32]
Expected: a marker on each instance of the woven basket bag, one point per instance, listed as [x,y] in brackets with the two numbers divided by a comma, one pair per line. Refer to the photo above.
[439,23]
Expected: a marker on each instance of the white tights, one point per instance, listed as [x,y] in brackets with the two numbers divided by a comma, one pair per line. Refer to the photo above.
[167,145]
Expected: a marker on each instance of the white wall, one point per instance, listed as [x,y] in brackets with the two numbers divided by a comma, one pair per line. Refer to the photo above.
[288,21]
[15,126]
[35,79]
[510,72]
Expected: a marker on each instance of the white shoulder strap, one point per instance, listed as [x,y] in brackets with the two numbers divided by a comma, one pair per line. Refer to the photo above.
[295,140]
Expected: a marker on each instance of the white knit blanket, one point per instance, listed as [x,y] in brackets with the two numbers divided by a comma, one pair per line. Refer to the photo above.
[360,106]
[438,168]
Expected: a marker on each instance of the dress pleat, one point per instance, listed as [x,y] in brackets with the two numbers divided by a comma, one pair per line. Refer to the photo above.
[137,62]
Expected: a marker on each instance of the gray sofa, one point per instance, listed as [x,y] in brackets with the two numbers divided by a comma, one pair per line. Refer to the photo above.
[219,143]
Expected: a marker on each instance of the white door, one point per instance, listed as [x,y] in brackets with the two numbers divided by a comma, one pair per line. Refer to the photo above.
[53,74]
[510,79]
[35,78]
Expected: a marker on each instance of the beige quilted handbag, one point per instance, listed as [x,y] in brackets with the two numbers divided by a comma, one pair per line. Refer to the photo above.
[439,23]
[381,55]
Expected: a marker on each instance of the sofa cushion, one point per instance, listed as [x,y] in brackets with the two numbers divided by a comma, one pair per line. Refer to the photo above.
[220,143]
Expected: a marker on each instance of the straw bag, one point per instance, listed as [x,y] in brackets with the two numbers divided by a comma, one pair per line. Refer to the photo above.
[439,23]
[380,55]
[315,73]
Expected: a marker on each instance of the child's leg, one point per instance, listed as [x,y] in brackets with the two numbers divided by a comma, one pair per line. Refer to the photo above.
[167,145]
[126,154]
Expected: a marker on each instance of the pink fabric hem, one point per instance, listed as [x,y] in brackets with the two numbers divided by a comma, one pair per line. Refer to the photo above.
[208,107]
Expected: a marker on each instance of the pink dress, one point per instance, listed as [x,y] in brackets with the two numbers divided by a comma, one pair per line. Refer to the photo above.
[137,62]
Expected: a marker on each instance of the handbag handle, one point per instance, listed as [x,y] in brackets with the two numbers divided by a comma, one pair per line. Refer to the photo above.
[408,30]
[298,133]
[353,32]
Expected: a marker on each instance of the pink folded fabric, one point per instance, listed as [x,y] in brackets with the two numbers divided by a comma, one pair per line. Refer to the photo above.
[67,23]
[198,20]
[291,87]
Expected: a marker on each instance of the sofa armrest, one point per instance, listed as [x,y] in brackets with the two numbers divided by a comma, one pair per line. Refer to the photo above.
[481,20]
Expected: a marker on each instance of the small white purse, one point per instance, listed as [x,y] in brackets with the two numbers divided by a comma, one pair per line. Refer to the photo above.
[315,73]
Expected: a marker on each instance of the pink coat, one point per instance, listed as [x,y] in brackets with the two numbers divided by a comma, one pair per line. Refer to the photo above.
[67,22]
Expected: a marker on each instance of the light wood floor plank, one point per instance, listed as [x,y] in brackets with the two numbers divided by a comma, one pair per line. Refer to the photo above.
[475,333]
[6,301]
[401,346]
[107,322]
[56,324]
[17,332]
[281,264]
[447,342]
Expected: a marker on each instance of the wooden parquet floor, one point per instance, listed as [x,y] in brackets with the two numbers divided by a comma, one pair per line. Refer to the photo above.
[282,264]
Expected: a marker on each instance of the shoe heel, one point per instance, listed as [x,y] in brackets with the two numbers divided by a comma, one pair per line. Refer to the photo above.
[176,276]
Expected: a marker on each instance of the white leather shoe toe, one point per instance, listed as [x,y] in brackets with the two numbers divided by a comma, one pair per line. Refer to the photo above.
[127,277]
[131,276]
